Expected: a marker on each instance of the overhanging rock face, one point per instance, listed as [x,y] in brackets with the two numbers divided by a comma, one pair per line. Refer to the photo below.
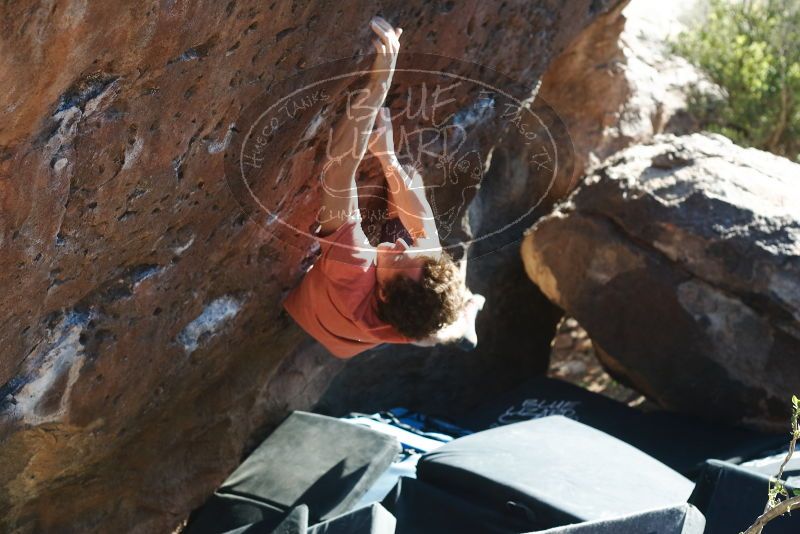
[682,260]
[142,332]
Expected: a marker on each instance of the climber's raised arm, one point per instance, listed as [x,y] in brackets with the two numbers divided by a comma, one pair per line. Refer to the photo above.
[348,141]
[406,189]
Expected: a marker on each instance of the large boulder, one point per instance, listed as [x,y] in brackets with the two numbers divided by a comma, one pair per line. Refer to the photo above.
[144,345]
[681,258]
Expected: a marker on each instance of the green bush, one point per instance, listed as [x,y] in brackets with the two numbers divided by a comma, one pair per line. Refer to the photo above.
[751,50]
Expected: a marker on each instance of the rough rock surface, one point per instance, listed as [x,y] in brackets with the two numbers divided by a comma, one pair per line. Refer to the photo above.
[658,81]
[681,259]
[144,347]
[619,84]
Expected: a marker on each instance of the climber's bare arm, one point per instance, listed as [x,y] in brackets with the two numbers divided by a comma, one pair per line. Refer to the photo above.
[406,189]
[407,192]
[348,141]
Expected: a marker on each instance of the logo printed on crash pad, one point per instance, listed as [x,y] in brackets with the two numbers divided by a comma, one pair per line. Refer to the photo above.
[536,409]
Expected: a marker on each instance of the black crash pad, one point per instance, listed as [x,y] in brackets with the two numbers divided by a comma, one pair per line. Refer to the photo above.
[771,464]
[732,497]
[682,442]
[374,519]
[322,462]
[424,509]
[553,470]
[684,519]
[421,508]
[296,522]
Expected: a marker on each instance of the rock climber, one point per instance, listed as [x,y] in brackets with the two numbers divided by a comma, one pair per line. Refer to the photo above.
[405,290]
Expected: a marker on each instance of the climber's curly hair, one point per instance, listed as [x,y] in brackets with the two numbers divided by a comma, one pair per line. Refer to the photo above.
[419,308]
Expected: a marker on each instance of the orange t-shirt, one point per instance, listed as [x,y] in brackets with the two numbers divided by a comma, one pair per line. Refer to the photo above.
[336,302]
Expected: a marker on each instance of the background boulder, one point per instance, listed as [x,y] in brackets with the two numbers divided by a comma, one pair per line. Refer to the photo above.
[681,258]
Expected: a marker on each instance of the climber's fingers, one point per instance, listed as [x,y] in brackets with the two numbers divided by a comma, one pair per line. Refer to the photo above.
[380,48]
[382,23]
[386,40]
[388,27]
[382,39]
[386,34]
[379,30]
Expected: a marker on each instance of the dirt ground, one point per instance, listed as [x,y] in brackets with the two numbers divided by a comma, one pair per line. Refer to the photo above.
[573,359]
